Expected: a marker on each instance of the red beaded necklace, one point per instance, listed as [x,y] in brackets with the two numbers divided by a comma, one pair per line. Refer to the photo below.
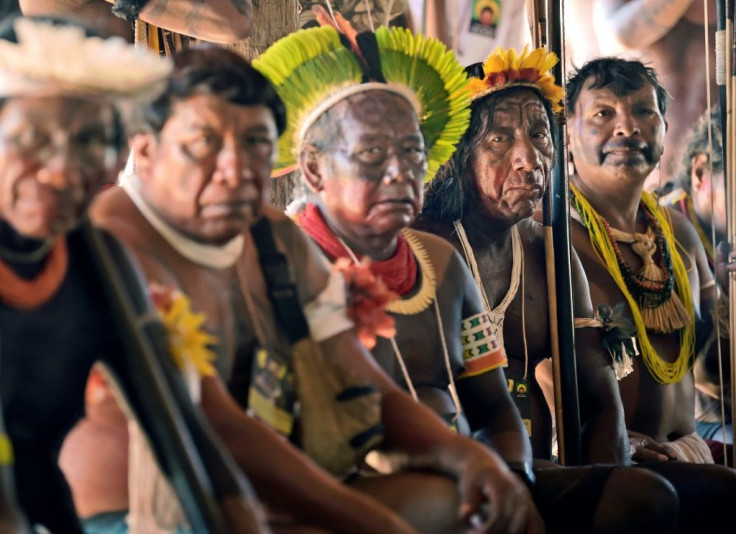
[399,272]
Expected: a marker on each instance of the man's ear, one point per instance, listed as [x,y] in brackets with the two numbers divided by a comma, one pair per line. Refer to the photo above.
[311,166]
[143,147]
[697,171]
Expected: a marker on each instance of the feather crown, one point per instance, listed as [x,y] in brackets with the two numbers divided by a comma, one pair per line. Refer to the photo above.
[314,69]
[51,59]
[505,68]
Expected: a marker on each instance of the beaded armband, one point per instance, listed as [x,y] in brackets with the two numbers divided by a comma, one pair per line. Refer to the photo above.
[481,348]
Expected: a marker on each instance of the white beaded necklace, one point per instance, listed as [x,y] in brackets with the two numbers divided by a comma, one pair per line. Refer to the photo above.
[498,313]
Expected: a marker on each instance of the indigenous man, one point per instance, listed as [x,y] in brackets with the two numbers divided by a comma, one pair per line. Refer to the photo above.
[202,174]
[60,140]
[669,35]
[649,257]
[482,201]
[700,194]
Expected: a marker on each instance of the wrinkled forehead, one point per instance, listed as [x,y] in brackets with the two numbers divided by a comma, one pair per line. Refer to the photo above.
[519,105]
[214,111]
[377,110]
[62,111]
[641,91]
[524,99]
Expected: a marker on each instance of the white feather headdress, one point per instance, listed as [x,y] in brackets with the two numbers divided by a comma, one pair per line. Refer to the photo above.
[51,59]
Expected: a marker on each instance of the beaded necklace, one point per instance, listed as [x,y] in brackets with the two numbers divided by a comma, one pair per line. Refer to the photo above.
[604,245]
[651,292]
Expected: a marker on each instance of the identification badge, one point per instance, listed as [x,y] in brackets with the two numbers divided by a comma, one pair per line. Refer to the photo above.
[519,391]
[271,396]
[484,17]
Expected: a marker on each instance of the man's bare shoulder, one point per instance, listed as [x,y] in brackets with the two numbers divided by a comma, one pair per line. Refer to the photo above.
[434,244]
[284,228]
[114,211]
[434,226]
[683,229]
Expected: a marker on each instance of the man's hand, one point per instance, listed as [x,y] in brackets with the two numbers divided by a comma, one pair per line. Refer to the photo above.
[494,499]
[645,449]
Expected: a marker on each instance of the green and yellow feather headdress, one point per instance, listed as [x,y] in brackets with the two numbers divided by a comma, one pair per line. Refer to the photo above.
[505,68]
[314,69]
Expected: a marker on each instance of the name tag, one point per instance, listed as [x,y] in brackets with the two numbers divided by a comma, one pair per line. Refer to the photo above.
[271,396]
[519,391]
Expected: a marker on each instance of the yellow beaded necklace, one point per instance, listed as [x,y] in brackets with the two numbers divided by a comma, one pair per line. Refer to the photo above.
[661,370]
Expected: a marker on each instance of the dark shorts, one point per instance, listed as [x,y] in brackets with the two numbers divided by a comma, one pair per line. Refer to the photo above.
[567,497]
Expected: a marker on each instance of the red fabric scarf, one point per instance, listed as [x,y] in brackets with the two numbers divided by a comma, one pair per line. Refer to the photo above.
[399,272]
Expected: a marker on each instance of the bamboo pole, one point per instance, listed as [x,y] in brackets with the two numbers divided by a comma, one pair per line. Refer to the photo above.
[730,175]
[556,219]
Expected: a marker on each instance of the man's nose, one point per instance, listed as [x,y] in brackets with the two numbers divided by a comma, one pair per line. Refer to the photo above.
[525,157]
[397,169]
[626,125]
[57,171]
[232,165]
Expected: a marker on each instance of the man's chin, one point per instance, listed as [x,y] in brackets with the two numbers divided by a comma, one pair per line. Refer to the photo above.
[394,224]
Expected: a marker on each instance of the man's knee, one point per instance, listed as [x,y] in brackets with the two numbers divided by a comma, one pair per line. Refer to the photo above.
[635,500]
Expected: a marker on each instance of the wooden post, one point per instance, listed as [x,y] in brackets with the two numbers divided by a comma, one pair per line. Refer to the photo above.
[272,20]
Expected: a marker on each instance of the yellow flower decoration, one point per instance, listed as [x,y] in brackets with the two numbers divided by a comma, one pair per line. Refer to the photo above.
[188,341]
[505,68]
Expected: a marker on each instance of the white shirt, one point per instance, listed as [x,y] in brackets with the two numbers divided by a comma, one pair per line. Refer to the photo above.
[473,41]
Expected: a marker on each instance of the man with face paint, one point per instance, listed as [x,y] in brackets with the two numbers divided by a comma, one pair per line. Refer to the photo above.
[60,140]
[482,202]
[650,258]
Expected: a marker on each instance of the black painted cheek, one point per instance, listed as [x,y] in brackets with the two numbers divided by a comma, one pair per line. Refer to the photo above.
[593,131]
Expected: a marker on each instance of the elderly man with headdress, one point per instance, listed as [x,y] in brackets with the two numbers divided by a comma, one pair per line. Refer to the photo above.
[60,140]
[392,110]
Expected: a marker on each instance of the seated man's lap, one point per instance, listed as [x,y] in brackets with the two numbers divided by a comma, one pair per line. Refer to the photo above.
[567,497]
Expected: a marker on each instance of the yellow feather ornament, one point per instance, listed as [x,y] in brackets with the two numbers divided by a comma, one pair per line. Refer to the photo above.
[505,68]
